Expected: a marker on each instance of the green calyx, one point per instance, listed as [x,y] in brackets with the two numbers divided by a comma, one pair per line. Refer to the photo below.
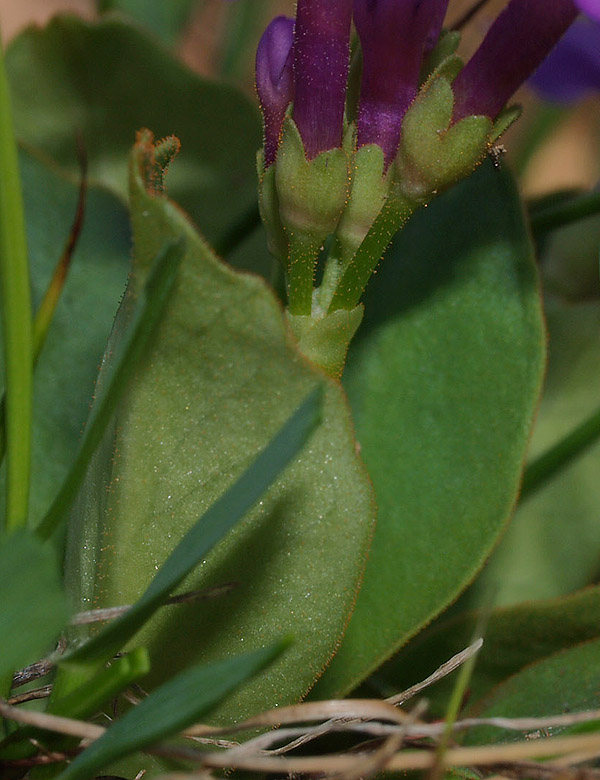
[434,153]
[311,196]
[312,193]
[268,205]
[370,185]
[440,57]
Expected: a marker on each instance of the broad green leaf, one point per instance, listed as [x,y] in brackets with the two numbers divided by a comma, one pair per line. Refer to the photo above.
[68,366]
[221,379]
[32,608]
[149,308]
[220,518]
[514,637]
[553,545]
[566,682]
[175,705]
[106,80]
[443,384]
[165,19]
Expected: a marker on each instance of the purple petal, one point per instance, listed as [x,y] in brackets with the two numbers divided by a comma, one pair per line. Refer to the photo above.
[436,25]
[321,61]
[393,35]
[274,79]
[519,40]
[591,8]
[573,67]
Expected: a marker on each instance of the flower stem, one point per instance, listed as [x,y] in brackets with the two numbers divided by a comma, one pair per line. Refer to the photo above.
[353,281]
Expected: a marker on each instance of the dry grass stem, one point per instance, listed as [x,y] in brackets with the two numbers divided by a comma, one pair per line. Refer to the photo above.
[443,671]
[110,613]
[41,720]
[387,728]
[36,693]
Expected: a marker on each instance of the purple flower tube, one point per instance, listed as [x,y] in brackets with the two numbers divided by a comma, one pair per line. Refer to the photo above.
[518,41]
[321,62]
[275,80]
[394,35]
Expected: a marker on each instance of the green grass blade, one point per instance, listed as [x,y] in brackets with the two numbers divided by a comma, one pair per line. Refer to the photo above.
[542,469]
[45,313]
[175,705]
[15,300]
[149,307]
[557,215]
[210,529]
[83,702]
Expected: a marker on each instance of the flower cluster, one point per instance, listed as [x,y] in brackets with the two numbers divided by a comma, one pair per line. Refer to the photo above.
[354,143]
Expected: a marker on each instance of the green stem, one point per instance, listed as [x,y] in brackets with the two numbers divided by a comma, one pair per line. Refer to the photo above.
[560,214]
[542,469]
[16,319]
[300,274]
[353,281]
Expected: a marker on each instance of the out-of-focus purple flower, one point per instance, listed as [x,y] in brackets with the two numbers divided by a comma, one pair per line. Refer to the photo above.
[573,67]
[321,62]
[393,36]
[518,41]
[275,79]
[591,8]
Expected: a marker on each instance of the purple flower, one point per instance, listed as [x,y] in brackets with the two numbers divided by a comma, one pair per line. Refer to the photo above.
[518,41]
[274,80]
[394,35]
[591,8]
[573,67]
[321,62]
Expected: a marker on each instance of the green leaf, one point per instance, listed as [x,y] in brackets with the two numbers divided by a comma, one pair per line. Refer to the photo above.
[444,385]
[68,366]
[15,300]
[566,682]
[172,707]
[32,608]
[514,637]
[150,306]
[166,20]
[221,379]
[108,80]
[220,518]
[553,545]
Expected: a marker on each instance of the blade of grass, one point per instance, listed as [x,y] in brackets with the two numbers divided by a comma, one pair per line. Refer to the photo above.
[175,705]
[458,693]
[81,703]
[146,315]
[15,300]
[210,529]
[45,312]
[557,215]
[548,464]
